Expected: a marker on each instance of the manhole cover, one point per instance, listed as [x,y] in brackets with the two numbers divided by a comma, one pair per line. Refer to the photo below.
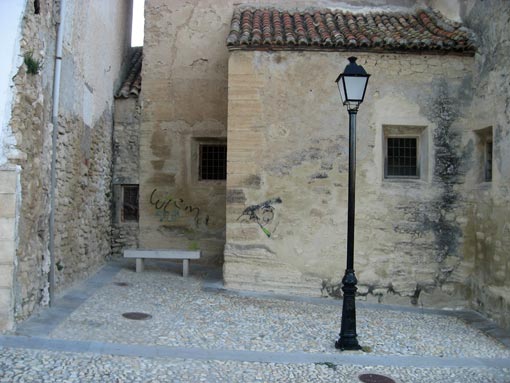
[137,316]
[375,378]
[123,284]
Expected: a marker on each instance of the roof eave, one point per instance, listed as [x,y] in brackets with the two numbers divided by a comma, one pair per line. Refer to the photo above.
[271,48]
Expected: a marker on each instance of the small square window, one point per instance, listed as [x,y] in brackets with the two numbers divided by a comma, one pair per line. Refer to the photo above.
[401,157]
[129,210]
[213,162]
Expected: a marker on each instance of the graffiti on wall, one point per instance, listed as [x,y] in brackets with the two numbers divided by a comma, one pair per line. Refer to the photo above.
[169,209]
[263,215]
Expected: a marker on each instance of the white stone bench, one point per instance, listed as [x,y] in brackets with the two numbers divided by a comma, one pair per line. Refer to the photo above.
[141,254]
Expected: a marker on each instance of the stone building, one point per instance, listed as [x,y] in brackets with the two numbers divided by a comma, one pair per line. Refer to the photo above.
[236,144]
[434,233]
[95,42]
[287,196]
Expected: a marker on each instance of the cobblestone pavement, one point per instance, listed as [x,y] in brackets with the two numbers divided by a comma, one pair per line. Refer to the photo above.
[216,336]
[44,366]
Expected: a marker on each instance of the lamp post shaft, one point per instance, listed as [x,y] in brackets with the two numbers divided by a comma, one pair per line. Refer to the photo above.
[351,199]
[348,337]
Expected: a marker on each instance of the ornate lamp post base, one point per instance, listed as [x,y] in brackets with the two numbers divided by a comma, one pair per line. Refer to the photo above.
[348,338]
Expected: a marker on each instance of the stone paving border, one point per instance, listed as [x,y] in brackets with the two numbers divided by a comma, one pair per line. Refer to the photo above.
[32,334]
[45,321]
[247,356]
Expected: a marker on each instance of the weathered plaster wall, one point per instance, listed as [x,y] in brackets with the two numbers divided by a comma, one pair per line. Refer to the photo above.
[287,177]
[126,160]
[488,226]
[89,73]
[184,100]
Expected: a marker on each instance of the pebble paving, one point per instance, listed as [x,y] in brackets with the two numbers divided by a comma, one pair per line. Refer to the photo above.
[186,316]
[44,366]
[183,315]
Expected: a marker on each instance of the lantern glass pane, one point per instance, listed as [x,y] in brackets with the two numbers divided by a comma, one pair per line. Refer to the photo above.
[355,86]
[341,88]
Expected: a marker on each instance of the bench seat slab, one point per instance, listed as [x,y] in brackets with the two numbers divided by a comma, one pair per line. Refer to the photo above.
[162,254]
[141,254]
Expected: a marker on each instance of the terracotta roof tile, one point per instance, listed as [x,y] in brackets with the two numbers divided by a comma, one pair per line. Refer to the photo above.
[132,84]
[422,29]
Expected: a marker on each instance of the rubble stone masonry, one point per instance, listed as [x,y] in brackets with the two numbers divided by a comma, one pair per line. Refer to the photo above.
[84,146]
[126,148]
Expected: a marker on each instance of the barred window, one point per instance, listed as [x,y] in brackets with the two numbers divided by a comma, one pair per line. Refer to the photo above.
[402,157]
[213,162]
[130,203]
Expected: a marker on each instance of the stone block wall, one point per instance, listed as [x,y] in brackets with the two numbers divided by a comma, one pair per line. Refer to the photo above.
[9,201]
[32,129]
[83,211]
[287,177]
[84,145]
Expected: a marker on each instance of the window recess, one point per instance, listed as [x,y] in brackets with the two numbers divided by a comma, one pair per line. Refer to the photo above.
[129,206]
[405,152]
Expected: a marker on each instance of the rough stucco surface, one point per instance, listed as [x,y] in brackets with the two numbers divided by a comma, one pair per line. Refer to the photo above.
[185,101]
[84,157]
[488,234]
[287,178]
[440,240]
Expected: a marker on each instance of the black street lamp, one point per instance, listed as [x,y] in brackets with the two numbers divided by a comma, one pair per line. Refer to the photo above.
[352,84]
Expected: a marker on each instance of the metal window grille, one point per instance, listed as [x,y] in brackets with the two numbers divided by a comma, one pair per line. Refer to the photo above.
[488,161]
[402,157]
[213,162]
[130,203]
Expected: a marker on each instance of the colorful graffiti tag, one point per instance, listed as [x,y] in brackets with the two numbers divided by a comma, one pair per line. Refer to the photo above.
[263,215]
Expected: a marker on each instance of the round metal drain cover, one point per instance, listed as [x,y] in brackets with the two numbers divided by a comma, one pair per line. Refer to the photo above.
[123,284]
[375,378]
[137,316]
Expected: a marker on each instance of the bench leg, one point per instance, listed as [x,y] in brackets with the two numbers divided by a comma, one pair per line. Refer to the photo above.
[139,265]
[185,267]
